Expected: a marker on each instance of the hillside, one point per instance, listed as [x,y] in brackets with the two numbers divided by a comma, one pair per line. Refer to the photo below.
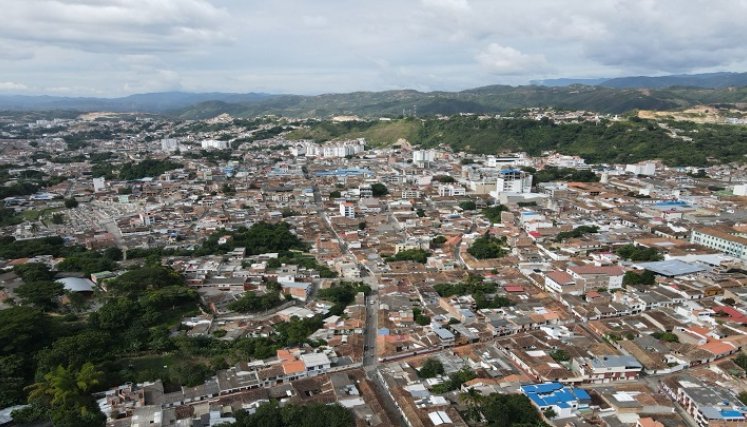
[677,144]
[489,99]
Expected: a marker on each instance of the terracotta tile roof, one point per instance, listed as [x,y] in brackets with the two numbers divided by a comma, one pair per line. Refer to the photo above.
[718,347]
[293,367]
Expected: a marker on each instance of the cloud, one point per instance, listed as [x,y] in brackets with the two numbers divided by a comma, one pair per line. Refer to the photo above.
[447,5]
[116,47]
[505,60]
[121,25]
[12,86]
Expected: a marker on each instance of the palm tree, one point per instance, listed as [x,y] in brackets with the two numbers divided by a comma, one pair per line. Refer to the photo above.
[63,386]
[472,399]
[58,387]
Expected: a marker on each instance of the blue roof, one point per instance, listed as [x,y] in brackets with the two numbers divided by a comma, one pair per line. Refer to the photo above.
[554,394]
[383,331]
[343,172]
[731,413]
[673,203]
[541,388]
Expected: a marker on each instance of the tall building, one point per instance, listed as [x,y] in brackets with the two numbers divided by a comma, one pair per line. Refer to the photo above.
[213,144]
[99,184]
[513,181]
[423,158]
[642,168]
[347,209]
[169,145]
[720,240]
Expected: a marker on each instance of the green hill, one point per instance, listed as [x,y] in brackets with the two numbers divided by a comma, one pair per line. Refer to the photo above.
[606,142]
[489,99]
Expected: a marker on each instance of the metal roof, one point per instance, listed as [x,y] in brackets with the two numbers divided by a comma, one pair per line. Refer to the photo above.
[76,284]
[672,268]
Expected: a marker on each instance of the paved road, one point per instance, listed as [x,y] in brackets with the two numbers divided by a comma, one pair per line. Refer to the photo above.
[372,301]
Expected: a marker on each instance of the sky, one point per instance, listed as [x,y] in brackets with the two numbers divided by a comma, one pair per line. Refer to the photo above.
[111,48]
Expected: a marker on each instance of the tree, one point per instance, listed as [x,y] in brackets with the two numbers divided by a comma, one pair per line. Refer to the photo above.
[251,302]
[741,361]
[549,413]
[666,336]
[362,225]
[34,272]
[58,218]
[468,205]
[416,255]
[431,367]
[379,190]
[228,189]
[560,355]
[507,410]
[493,213]
[312,415]
[437,242]
[335,194]
[42,295]
[420,318]
[420,212]
[638,254]
[473,399]
[71,203]
[647,277]
[487,246]
[66,387]
[576,233]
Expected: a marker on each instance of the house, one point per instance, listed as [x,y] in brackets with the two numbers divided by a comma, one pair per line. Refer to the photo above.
[563,283]
[605,369]
[563,400]
[708,404]
[592,277]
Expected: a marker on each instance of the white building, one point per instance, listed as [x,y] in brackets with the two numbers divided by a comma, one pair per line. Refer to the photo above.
[316,363]
[337,149]
[99,184]
[422,158]
[410,193]
[561,161]
[740,190]
[169,145]
[347,209]
[214,144]
[513,181]
[720,240]
[511,160]
[450,190]
[642,168]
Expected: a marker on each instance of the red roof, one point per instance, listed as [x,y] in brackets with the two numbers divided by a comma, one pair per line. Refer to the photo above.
[513,288]
[560,277]
[609,270]
[734,315]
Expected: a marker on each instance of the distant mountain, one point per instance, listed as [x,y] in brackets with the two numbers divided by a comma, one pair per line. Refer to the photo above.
[614,96]
[161,102]
[568,82]
[710,80]
[489,99]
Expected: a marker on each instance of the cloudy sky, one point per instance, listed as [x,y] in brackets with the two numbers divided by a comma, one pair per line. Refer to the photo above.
[120,47]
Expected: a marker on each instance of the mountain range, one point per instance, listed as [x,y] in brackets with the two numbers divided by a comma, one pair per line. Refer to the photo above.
[616,95]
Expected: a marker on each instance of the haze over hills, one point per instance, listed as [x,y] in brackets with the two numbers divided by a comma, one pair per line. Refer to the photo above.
[708,80]
[615,96]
